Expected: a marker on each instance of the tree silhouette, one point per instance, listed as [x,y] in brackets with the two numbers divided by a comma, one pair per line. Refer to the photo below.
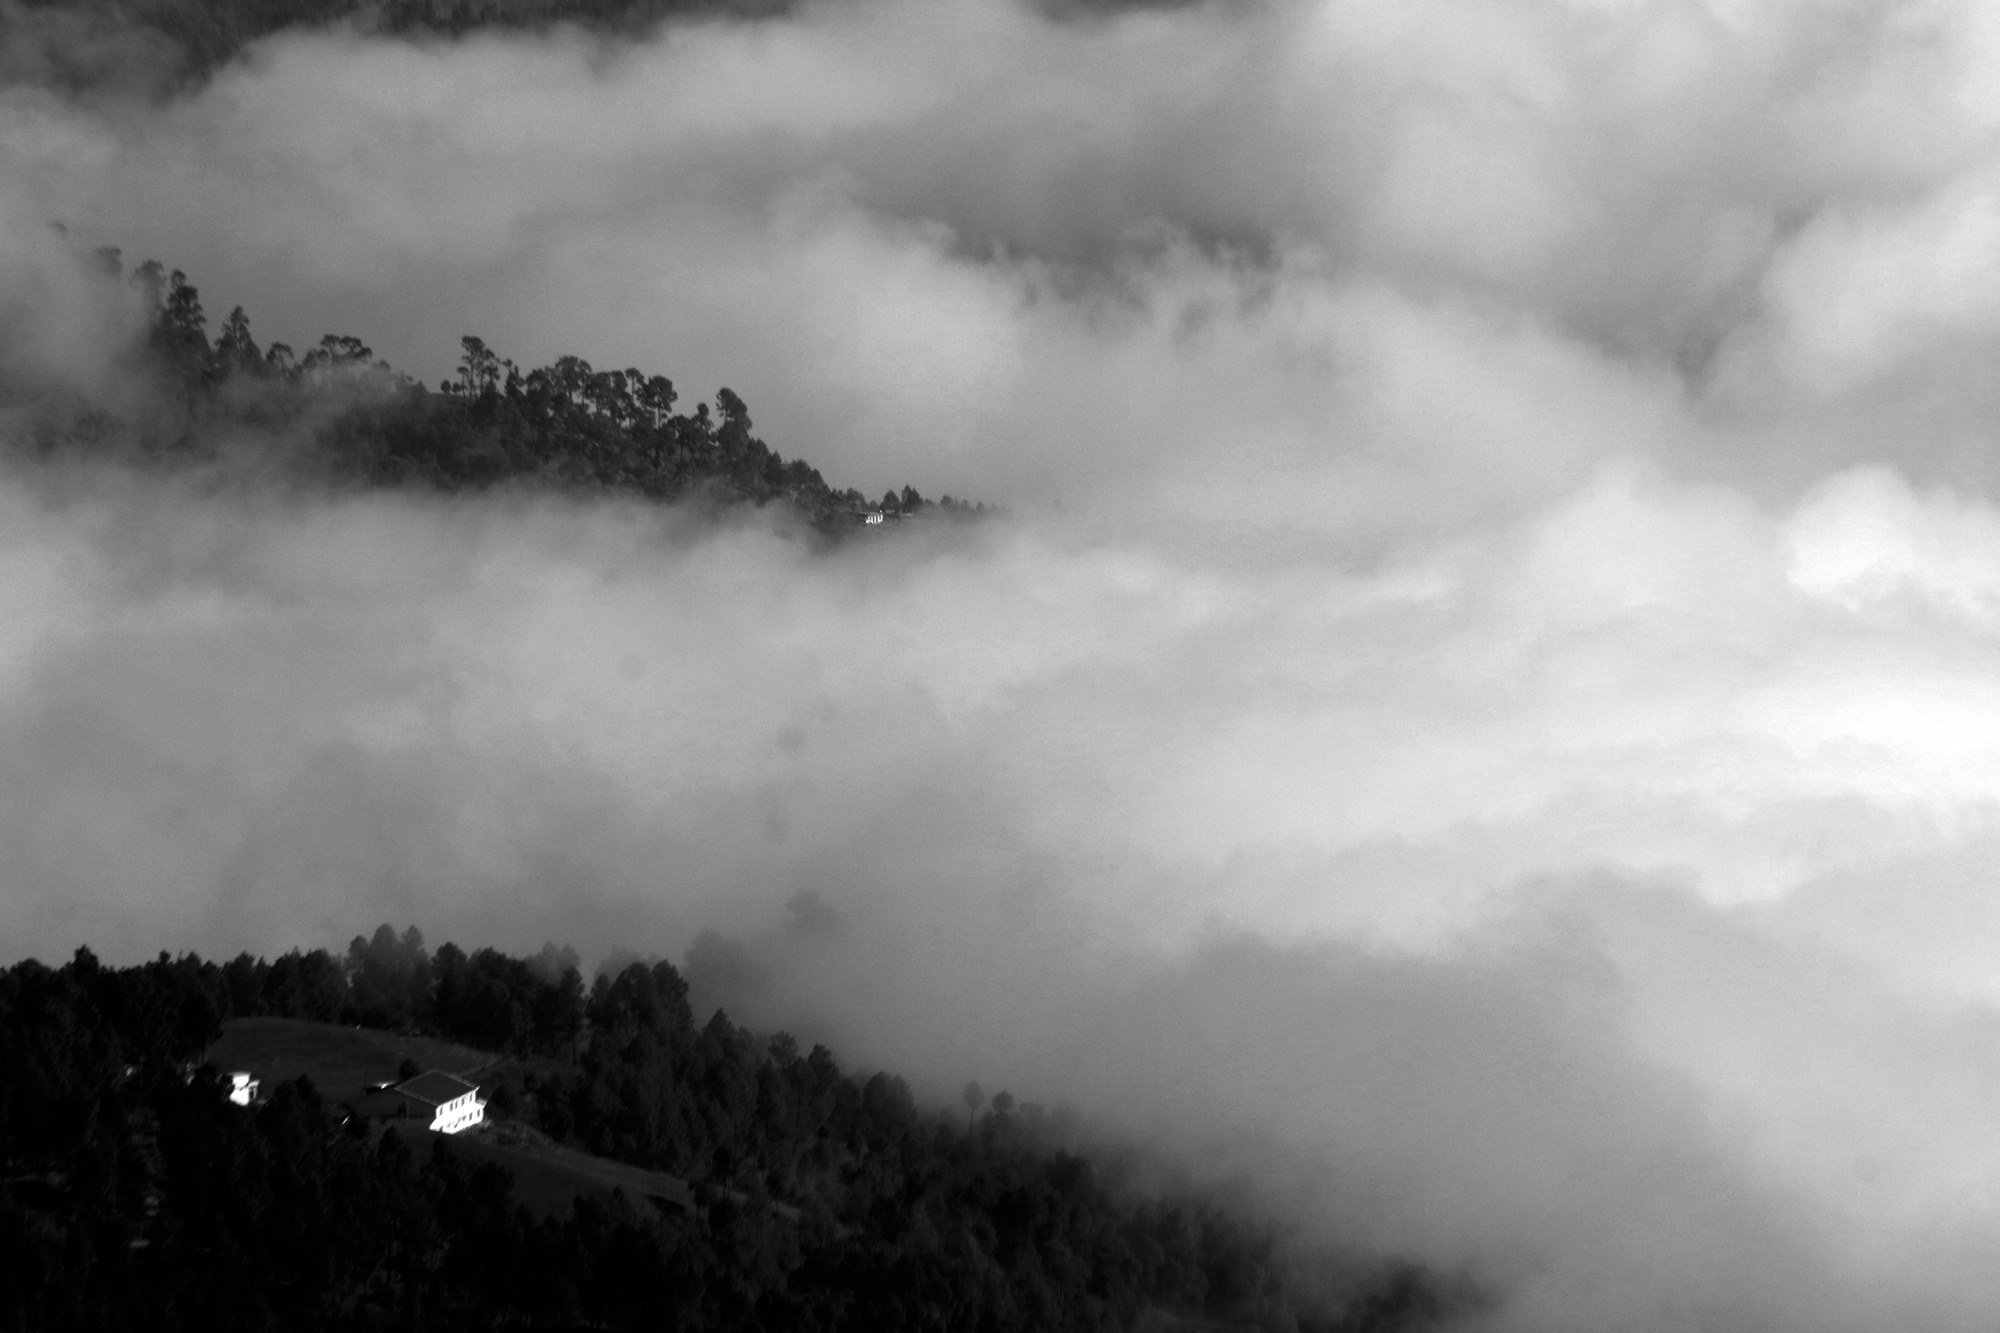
[478,368]
[339,415]
[236,351]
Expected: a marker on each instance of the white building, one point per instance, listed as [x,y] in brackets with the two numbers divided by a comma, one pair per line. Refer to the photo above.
[444,1103]
[242,1087]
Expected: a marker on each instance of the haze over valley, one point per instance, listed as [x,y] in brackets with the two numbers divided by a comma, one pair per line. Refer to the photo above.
[1474,724]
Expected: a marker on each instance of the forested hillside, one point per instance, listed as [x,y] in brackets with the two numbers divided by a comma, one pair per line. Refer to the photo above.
[135,1195]
[338,415]
[194,37]
[198,36]
[169,45]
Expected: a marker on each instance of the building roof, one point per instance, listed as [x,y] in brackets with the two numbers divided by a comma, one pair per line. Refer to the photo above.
[435,1087]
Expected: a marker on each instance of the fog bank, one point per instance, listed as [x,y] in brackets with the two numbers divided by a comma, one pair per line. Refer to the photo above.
[1480,721]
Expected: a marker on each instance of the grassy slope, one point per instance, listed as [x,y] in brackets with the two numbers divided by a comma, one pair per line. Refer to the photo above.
[547,1176]
[342,1061]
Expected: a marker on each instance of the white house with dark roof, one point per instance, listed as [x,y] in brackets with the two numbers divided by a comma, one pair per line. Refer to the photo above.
[441,1101]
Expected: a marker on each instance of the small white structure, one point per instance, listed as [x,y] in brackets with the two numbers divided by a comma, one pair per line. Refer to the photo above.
[445,1103]
[873,519]
[242,1087]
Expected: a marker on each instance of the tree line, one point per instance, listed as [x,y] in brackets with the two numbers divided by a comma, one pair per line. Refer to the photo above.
[338,414]
[206,34]
[133,1195]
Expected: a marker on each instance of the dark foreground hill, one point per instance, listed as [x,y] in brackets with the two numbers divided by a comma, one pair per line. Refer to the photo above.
[133,1194]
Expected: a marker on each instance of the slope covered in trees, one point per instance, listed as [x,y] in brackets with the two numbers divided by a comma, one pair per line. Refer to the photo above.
[198,36]
[337,414]
[190,39]
[133,1194]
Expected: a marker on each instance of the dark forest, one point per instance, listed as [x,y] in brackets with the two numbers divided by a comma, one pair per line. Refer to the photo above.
[136,1195]
[336,416]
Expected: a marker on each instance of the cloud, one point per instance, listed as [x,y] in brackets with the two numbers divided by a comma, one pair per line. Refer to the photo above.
[1480,722]
[872,218]
[1486,885]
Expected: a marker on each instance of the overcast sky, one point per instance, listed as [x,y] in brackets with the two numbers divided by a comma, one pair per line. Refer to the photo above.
[1484,715]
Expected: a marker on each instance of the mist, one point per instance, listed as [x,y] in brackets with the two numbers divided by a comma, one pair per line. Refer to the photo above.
[1478,724]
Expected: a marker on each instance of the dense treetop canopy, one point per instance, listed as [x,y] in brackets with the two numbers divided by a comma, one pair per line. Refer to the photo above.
[334,413]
